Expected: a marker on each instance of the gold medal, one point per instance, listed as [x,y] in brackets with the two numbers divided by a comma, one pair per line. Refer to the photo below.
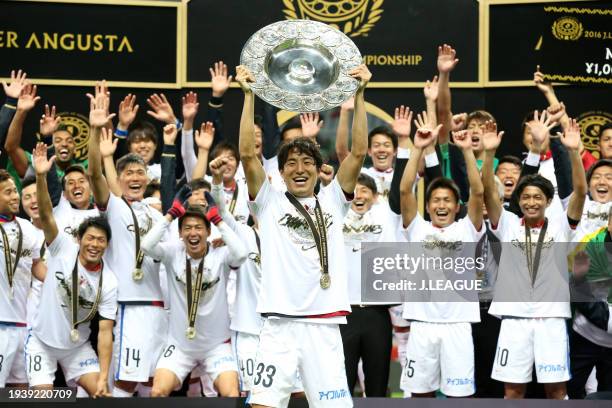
[325,281]
[191,332]
[137,274]
[74,335]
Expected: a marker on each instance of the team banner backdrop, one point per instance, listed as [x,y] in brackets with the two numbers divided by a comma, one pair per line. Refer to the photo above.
[561,37]
[578,46]
[136,43]
[398,39]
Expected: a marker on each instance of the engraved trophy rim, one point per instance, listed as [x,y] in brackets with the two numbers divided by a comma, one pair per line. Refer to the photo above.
[315,81]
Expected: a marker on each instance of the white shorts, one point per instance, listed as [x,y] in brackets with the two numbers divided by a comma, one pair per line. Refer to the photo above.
[140,334]
[245,349]
[440,356]
[41,361]
[12,363]
[214,362]
[314,349]
[525,342]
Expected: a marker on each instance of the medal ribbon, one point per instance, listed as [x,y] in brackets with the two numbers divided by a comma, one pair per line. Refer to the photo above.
[319,231]
[74,296]
[193,293]
[534,264]
[232,205]
[139,253]
[11,268]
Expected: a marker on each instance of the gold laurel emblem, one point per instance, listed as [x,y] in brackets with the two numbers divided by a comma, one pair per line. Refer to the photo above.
[590,125]
[353,17]
[78,126]
[567,28]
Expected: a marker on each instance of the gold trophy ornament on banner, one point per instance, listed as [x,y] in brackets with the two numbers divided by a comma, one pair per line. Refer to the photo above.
[301,65]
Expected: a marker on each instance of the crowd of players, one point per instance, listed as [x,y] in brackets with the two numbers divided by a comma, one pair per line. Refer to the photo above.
[242,275]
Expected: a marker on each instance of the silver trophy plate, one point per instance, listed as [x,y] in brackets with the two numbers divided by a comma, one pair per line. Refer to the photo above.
[301,65]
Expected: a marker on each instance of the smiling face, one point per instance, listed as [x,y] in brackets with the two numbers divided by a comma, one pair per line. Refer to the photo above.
[29,202]
[63,142]
[92,245]
[77,190]
[442,207]
[381,151]
[475,131]
[508,174]
[300,174]
[231,165]
[605,144]
[9,197]
[198,198]
[144,147]
[194,234]
[364,199]
[600,185]
[533,203]
[133,181]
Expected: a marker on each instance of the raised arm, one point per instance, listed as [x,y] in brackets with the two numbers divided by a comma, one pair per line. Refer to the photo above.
[342,132]
[491,140]
[549,93]
[168,167]
[351,166]
[253,169]
[571,140]
[423,137]
[237,251]
[128,109]
[446,63]
[463,140]
[190,110]
[42,165]
[217,167]
[402,125]
[98,117]
[204,140]
[26,102]
[12,91]
[108,146]
[220,82]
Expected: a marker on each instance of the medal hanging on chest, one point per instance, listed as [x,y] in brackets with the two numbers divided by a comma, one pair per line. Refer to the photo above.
[194,290]
[74,301]
[533,261]
[319,234]
[10,266]
[137,274]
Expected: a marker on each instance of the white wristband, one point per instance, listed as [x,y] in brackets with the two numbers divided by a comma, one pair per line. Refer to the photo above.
[533,159]
[403,153]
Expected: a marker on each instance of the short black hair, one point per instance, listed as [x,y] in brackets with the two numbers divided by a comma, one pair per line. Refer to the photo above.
[479,115]
[385,131]
[64,128]
[293,123]
[536,180]
[71,169]
[152,188]
[444,183]
[130,158]
[303,145]
[599,163]
[225,146]
[5,175]
[602,129]
[194,211]
[100,222]
[28,181]
[142,131]
[368,182]
[198,184]
[510,159]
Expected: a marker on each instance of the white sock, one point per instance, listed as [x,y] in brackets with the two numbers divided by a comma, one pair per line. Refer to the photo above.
[195,390]
[119,393]
[144,391]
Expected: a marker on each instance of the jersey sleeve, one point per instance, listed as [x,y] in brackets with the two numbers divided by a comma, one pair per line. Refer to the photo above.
[62,244]
[108,304]
[264,197]
[417,224]
[506,219]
